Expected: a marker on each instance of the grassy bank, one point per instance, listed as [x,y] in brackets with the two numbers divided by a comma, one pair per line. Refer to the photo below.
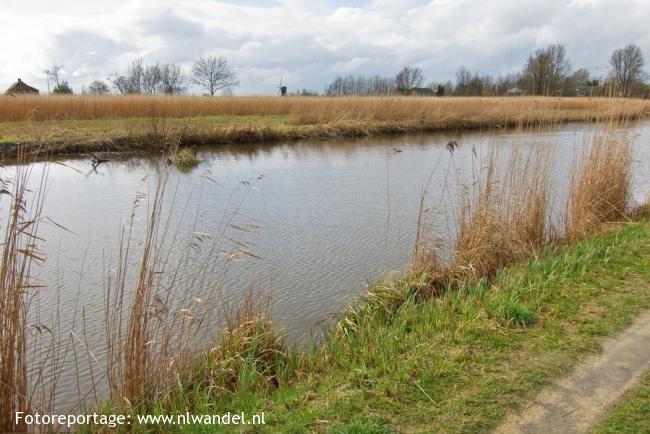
[451,346]
[68,125]
[456,364]
[454,344]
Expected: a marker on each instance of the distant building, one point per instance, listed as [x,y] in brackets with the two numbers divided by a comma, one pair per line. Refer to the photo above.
[422,91]
[515,91]
[20,87]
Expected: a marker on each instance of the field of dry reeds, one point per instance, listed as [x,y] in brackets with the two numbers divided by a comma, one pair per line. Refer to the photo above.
[71,124]
[449,111]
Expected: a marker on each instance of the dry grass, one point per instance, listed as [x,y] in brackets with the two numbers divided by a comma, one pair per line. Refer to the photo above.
[252,354]
[503,209]
[500,214]
[135,358]
[138,319]
[503,214]
[448,111]
[601,183]
[163,291]
[19,253]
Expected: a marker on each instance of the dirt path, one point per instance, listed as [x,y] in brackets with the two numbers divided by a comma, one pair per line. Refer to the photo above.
[577,402]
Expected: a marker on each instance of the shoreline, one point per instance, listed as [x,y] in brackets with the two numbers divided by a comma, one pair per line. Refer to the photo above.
[83,124]
[152,142]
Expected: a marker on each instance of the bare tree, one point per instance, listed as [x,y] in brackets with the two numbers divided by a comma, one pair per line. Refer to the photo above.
[135,77]
[409,78]
[172,79]
[463,78]
[158,78]
[469,84]
[213,73]
[546,69]
[120,83]
[133,81]
[575,83]
[560,65]
[54,74]
[360,85]
[627,68]
[152,79]
[98,87]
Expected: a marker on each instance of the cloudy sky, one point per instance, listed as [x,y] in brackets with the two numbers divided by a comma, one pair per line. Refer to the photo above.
[309,42]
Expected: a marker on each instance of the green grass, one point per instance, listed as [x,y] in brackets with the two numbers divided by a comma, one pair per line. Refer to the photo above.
[459,363]
[184,159]
[632,414]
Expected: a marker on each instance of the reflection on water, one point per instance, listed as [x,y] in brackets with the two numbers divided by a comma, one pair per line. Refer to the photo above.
[329,216]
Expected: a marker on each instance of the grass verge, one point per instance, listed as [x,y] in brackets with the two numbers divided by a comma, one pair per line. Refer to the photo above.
[457,363]
[632,414]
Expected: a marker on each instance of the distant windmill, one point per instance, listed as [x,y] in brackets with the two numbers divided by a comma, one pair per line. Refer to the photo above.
[282,90]
[47,77]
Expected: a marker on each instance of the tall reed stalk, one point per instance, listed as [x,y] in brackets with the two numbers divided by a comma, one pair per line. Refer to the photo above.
[503,212]
[601,182]
[163,291]
[20,253]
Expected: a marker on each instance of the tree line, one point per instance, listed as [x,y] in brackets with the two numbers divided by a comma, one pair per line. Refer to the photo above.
[210,73]
[547,71]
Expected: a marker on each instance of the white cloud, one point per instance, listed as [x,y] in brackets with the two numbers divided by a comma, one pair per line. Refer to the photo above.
[308,42]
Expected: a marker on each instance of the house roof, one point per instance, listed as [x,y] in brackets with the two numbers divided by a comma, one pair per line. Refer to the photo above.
[20,87]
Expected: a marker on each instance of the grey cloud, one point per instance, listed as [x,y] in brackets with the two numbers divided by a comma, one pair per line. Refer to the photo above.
[88,46]
[167,23]
[309,44]
[87,53]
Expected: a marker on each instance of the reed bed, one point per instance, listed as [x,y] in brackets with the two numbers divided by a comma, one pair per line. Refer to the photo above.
[157,309]
[600,188]
[503,216]
[451,111]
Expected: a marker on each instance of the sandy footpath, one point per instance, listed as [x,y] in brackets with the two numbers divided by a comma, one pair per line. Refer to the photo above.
[576,402]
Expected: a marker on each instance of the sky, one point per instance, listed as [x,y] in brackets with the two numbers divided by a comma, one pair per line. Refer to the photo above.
[308,43]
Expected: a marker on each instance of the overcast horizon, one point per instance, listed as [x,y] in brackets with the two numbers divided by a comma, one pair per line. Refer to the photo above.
[309,43]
